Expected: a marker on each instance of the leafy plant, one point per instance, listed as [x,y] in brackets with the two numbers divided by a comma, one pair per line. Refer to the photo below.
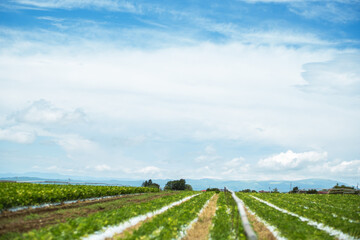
[169,224]
[226,222]
[25,194]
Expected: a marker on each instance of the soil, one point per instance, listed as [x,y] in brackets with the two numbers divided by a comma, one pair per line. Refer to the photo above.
[200,229]
[261,230]
[128,232]
[29,219]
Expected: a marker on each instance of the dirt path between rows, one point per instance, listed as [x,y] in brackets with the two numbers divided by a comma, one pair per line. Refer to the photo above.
[201,228]
[30,219]
[129,231]
[7,214]
[261,230]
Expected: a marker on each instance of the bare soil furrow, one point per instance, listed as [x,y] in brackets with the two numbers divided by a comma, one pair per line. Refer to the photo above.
[39,218]
[201,228]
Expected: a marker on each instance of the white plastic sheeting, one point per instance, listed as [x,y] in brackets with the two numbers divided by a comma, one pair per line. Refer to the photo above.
[188,227]
[110,231]
[271,228]
[331,231]
[15,209]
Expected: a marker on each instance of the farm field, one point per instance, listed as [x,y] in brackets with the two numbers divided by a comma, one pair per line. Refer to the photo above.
[297,216]
[24,194]
[181,215]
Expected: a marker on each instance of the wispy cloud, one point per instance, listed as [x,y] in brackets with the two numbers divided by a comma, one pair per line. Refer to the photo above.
[17,134]
[340,11]
[111,5]
[43,112]
[332,11]
[341,75]
[143,89]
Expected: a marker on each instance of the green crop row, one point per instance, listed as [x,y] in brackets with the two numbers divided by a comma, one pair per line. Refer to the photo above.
[25,194]
[333,217]
[84,226]
[347,206]
[169,224]
[289,226]
[226,222]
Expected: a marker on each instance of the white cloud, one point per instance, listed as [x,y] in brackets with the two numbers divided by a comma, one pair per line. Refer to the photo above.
[44,112]
[341,75]
[351,168]
[210,150]
[235,162]
[18,135]
[334,11]
[208,156]
[111,5]
[149,170]
[74,143]
[290,160]
[283,37]
[102,167]
[206,92]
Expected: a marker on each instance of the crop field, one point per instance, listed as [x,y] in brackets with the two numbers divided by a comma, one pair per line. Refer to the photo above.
[146,213]
[24,194]
[299,216]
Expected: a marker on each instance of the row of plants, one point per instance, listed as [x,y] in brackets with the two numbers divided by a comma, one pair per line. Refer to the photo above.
[312,208]
[26,194]
[347,201]
[289,226]
[170,224]
[84,226]
[226,222]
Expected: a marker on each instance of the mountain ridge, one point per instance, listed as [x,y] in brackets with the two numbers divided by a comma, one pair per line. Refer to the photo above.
[197,184]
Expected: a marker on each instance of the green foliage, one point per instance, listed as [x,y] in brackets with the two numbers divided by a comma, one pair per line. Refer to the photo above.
[25,194]
[248,191]
[294,190]
[188,187]
[226,222]
[213,190]
[84,226]
[169,224]
[312,191]
[289,226]
[150,184]
[177,185]
[337,211]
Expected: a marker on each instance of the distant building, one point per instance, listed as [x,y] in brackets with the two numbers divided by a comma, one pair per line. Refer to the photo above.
[323,192]
[342,190]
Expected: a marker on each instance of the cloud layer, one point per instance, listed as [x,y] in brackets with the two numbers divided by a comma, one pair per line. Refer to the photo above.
[154,91]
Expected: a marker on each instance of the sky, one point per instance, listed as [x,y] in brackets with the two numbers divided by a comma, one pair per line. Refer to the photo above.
[233,90]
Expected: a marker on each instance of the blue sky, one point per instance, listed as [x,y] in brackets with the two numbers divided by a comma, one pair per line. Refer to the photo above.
[251,89]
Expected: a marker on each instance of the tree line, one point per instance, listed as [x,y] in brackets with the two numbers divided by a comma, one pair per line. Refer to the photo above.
[170,185]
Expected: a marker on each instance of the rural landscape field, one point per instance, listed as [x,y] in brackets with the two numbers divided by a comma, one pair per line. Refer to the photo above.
[180,119]
[47,211]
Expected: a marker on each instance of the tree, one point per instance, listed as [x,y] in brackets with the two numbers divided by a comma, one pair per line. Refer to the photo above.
[213,190]
[150,184]
[276,190]
[177,185]
[295,190]
[312,191]
[246,190]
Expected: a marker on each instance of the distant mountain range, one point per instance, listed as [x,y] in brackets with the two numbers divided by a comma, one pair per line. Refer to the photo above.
[197,184]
